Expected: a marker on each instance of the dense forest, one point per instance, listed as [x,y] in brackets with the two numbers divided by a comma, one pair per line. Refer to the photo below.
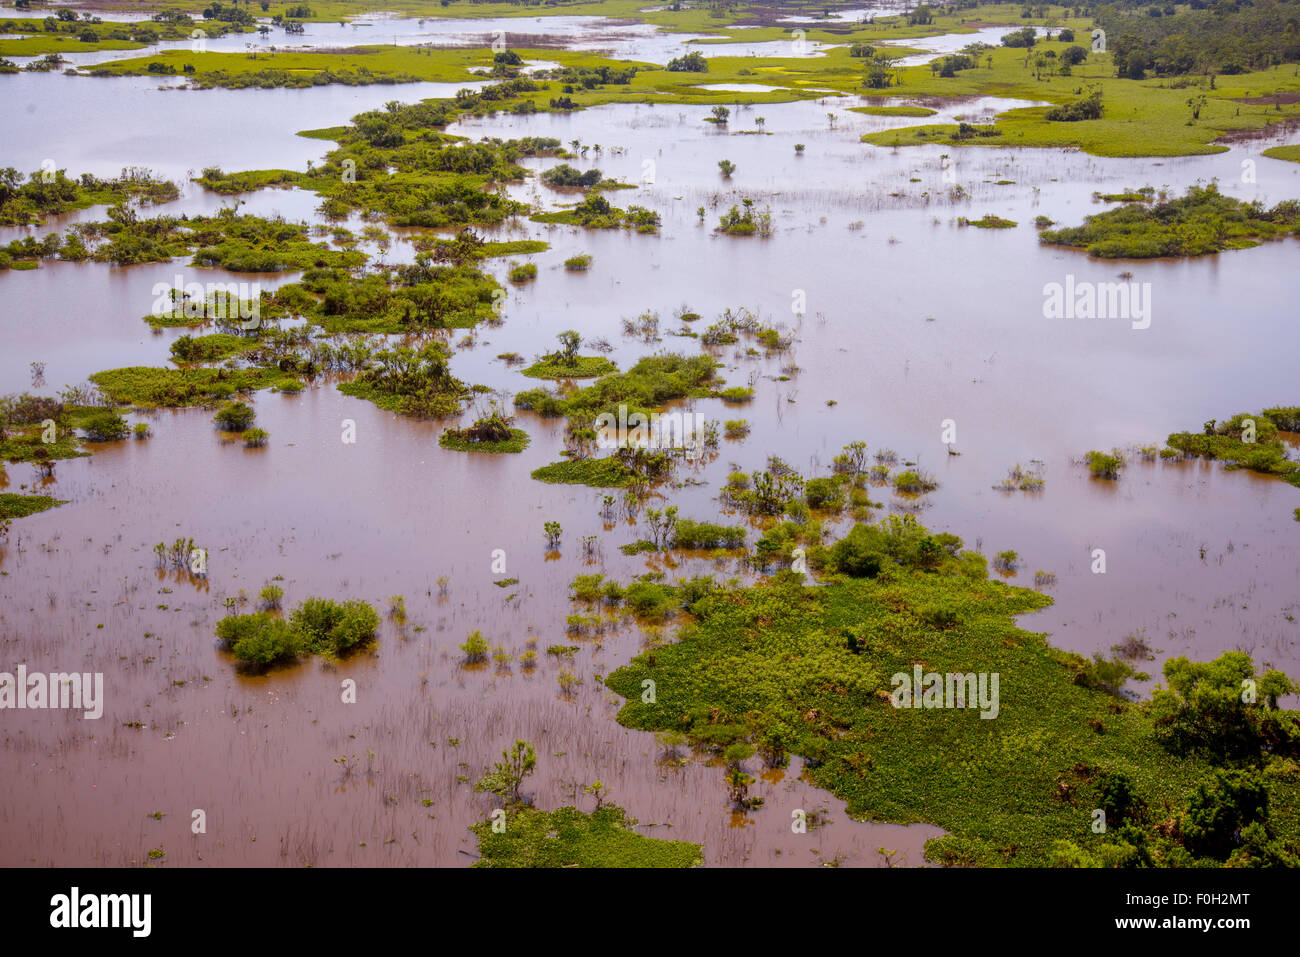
[1225,36]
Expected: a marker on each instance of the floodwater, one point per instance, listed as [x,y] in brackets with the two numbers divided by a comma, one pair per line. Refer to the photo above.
[911,320]
[951,43]
[615,38]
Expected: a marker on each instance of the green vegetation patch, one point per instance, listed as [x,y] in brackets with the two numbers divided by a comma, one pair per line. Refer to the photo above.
[894,110]
[408,382]
[556,366]
[597,212]
[1202,222]
[13,505]
[197,385]
[598,473]
[41,429]
[470,440]
[988,221]
[1246,441]
[1289,153]
[568,838]
[26,200]
[650,384]
[211,348]
[319,626]
[810,671]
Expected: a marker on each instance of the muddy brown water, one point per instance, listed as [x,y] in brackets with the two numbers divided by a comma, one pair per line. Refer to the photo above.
[910,320]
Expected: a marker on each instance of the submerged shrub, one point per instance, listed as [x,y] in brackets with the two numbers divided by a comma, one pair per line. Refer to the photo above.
[475,648]
[106,426]
[261,639]
[523,272]
[332,627]
[1105,466]
[235,417]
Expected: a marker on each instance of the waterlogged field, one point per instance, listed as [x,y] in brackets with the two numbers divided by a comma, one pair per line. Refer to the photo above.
[931,434]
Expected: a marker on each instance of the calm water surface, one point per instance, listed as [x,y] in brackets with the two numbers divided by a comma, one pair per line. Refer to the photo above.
[911,319]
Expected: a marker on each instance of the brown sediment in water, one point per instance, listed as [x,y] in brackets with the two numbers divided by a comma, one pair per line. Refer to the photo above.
[289,774]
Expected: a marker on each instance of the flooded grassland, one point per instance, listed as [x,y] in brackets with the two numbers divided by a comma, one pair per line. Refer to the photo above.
[892,322]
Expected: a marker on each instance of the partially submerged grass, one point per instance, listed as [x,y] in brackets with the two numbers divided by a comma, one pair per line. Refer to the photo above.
[1246,441]
[566,837]
[581,367]
[598,473]
[196,385]
[807,671]
[14,505]
[1202,222]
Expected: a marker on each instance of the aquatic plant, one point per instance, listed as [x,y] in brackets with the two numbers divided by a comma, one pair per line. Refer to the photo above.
[475,648]
[1201,222]
[746,221]
[566,837]
[508,774]
[104,426]
[1103,465]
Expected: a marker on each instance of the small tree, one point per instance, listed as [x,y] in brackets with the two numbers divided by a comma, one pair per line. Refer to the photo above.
[569,342]
[507,775]
[599,791]
[553,532]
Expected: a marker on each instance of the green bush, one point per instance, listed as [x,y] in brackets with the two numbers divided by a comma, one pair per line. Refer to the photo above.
[261,639]
[692,534]
[860,553]
[523,272]
[475,648]
[106,426]
[823,493]
[235,417]
[331,627]
[1105,466]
